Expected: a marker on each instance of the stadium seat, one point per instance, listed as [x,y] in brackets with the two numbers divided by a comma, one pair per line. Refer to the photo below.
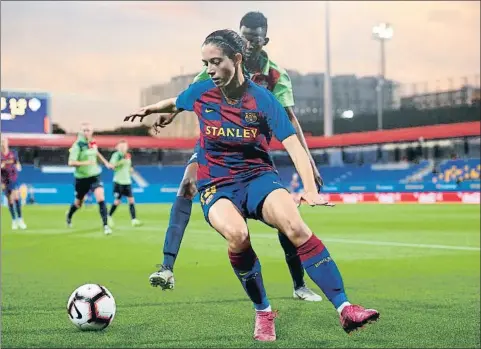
[450,171]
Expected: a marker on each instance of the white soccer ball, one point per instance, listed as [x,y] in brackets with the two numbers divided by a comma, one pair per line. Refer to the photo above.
[91,307]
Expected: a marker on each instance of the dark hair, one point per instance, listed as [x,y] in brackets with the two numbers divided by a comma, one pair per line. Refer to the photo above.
[254,20]
[230,42]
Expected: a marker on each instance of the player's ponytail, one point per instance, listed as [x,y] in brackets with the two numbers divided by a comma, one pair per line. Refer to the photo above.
[230,42]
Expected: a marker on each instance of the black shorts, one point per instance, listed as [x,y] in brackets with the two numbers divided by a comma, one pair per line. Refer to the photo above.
[122,190]
[84,185]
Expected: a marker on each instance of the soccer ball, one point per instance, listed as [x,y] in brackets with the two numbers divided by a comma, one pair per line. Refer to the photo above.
[91,307]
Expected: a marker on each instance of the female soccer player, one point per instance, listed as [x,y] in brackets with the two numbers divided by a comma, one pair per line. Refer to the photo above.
[265,72]
[10,168]
[83,156]
[237,178]
[121,160]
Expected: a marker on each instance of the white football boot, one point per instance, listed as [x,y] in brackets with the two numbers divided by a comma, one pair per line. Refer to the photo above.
[164,278]
[136,222]
[21,224]
[306,294]
[110,221]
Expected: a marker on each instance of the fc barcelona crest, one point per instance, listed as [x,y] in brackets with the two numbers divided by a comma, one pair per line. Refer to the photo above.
[251,117]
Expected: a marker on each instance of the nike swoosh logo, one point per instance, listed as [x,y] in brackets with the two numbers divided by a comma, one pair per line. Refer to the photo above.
[207,110]
[243,274]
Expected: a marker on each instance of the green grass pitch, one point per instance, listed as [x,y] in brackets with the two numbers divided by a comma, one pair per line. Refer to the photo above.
[417,264]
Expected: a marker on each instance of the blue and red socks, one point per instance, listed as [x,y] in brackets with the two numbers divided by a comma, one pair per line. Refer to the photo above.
[179,218]
[248,269]
[322,269]
[293,261]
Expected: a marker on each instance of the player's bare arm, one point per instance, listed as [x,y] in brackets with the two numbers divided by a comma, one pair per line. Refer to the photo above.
[303,166]
[104,160]
[120,163]
[117,164]
[164,106]
[302,140]
[164,120]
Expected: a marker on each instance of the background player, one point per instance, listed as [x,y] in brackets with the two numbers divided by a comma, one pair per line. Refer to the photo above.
[121,161]
[9,172]
[83,156]
[295,187]
[234,187]
[263,71]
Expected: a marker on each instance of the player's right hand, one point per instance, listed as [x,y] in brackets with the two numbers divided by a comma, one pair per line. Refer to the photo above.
[314,199]
[142,113]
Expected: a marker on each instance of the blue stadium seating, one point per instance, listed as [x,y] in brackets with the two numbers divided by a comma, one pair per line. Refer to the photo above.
[172,175]
[363,174]
[457,170]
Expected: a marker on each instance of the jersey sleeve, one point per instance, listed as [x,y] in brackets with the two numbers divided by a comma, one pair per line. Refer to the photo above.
[283,91]
[277,119]
[74,152]
[202,76]
[186,100]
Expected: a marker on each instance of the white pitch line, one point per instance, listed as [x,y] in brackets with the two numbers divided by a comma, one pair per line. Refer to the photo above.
[388,243]
[271,235]
[349,241]
[402,244]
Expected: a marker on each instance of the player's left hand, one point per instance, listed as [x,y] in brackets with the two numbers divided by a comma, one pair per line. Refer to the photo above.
[314,199]
[163,120]
[109,166]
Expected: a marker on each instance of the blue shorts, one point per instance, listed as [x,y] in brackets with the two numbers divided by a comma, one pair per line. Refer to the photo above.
[248,196]
[193,158]
[9,186]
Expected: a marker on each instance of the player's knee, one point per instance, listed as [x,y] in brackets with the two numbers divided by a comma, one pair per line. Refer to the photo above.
[99,194]
[237,237]
[116,202]
[296,230]
[187,189]
[131,200]
[78,203]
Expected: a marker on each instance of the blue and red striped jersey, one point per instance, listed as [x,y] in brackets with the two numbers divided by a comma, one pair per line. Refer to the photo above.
[9,168]
[234,139]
